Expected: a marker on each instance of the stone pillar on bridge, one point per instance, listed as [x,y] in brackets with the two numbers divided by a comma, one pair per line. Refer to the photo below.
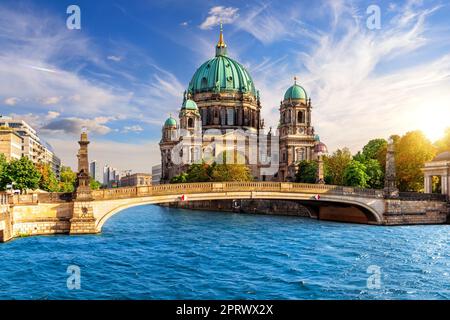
[390,186]
[83,220]
[320,173]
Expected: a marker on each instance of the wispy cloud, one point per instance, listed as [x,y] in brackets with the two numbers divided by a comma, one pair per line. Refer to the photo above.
[114,58]
[265,24]
[133,128]
[11,101]
[220,14]
[364,83]
[74,126]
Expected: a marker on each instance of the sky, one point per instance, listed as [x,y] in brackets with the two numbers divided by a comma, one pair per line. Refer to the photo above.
[126,69]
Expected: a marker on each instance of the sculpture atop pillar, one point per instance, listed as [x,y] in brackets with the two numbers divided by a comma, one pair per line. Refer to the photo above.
[390,186]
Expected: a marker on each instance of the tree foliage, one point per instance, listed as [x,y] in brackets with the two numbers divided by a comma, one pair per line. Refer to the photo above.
[204,172]
[335,165]
[67,180]
[95,185]
[307,172]
[230,172]
[412,151]
[355,175]
[22,173]
[444,143]
[375,149]
[48,181]
[374,173]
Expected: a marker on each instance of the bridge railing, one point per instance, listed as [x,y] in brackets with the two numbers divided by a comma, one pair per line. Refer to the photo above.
[4,198]
[416,196]
[208,187]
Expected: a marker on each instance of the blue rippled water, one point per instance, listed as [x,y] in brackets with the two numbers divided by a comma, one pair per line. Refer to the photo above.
[151,252]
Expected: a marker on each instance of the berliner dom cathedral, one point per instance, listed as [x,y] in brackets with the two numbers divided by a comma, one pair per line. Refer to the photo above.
[220,119]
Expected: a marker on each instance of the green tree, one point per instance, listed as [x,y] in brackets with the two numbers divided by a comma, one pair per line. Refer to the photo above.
[411,152]
[199,172]
[355,175]
[230,172]
[307,172]
[336,164]
[3,164]
[95,185]
[375,174]
[48,181]
[444,143]
[181,178]
[22,172]
[67,180]
[375,149]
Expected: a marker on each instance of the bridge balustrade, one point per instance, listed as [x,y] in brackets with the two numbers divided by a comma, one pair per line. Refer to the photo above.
[4,199]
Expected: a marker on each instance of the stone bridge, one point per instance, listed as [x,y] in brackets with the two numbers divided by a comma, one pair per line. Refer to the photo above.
[66,213]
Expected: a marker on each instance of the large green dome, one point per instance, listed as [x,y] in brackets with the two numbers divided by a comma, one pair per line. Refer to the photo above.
[221,74]
[295,92]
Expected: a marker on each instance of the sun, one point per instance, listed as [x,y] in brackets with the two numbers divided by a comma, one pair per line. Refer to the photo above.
[435,120]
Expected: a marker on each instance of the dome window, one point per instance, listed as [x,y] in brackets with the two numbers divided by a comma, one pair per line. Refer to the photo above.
[204,82]
[230,78]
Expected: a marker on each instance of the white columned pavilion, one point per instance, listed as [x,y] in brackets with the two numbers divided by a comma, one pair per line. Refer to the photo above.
[438,167]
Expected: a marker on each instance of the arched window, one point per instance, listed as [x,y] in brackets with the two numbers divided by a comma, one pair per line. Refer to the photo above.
[204,116]
[190,123]
[301,117]
[204,83]
[300,154]
[230,116]
[222,117]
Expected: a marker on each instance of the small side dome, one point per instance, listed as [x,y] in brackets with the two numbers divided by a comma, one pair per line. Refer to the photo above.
[321,148]
[295,92]
[170,122]
[444,156]
[189,105]
[317,138]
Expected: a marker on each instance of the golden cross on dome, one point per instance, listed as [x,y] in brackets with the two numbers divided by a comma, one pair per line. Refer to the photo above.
[221,43]
[295,79]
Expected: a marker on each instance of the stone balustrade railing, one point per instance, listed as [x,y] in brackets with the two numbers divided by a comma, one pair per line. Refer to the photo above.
[4,199]
[210,187]
[415,196]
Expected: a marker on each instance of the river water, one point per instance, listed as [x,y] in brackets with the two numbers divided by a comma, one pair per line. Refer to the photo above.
[150,252]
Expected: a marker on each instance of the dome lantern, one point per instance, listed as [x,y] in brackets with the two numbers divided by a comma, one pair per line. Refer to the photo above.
[221,47]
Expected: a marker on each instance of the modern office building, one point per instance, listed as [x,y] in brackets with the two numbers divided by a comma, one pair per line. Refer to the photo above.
[95,172]
[156,174]
[111,176]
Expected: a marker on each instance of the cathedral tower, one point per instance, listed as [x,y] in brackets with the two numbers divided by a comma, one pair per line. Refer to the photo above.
[296,131]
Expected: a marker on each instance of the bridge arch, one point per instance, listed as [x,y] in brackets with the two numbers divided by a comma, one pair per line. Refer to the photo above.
[371,207]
